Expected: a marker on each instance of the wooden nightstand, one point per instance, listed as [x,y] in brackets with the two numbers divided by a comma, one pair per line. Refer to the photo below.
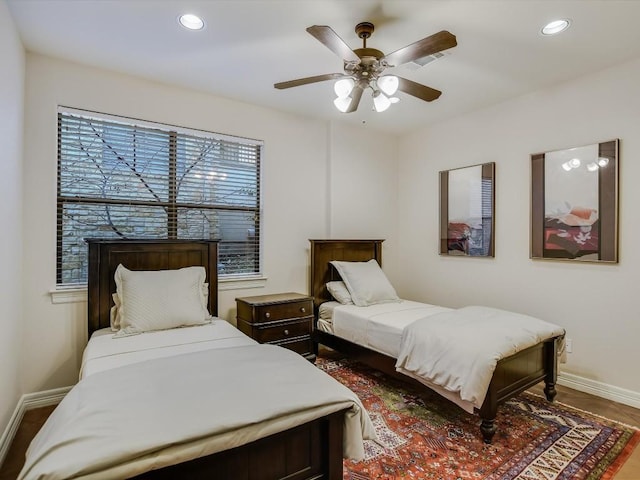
[284,319]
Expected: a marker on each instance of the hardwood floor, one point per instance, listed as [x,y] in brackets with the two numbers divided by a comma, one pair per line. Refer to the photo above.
[33,420]
[29,426]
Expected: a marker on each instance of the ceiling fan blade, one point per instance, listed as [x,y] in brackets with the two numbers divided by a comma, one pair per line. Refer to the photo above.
[418,90]
[356,94]
[306,80]
[333,42]
[427,46]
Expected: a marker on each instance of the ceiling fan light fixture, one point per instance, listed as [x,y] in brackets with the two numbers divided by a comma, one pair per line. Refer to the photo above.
[555,27]
[342,103]
[191,21]
[388,84]
[364,67]
[343,87]
[380,101]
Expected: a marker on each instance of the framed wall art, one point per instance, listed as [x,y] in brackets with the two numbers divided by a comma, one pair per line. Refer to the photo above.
[574,203]
[467,223]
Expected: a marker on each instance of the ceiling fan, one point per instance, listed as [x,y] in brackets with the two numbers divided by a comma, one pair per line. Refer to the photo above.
[364,67]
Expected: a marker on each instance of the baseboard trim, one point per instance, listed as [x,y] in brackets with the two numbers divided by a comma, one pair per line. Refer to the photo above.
[28,402]
[599,389]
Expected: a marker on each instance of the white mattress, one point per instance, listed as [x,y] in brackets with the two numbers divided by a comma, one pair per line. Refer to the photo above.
[104,352]
[378,327]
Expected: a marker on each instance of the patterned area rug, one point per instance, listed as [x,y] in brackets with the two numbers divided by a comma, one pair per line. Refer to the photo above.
[423,436]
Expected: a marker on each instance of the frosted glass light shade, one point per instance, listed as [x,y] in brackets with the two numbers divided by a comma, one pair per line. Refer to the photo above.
[343,87]
[381,102]
[342,103]
[555,27]
[190,21]
[388,84]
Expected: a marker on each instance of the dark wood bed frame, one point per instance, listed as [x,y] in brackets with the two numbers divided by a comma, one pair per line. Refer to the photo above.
[512,375]
[309,451]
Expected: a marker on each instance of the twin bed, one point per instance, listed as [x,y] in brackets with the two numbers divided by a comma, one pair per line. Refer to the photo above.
[206,401]
[203,401]
[476,357]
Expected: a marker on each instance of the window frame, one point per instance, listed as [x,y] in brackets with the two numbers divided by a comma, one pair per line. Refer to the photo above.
[172,205]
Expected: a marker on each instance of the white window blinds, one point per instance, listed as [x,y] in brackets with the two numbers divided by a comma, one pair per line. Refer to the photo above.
[126,179]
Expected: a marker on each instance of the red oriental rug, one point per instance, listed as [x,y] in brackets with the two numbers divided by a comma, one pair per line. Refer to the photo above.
[423,436]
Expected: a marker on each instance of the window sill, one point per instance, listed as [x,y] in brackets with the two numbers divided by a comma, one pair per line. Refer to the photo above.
[77,294]
[241,283]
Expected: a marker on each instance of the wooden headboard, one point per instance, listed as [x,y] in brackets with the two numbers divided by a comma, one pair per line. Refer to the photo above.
[106,255]
[323,251]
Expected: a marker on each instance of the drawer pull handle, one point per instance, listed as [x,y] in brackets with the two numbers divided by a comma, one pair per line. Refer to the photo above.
[267,315]
[286,332]
[303,310]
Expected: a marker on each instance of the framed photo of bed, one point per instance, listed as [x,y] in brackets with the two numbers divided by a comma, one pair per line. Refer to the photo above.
[574,203]
[467,220]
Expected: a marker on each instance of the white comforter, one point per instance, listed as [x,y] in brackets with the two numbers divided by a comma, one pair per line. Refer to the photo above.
[458,350]
[128,420]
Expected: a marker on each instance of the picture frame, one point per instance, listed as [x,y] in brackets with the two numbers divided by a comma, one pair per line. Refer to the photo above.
[467,211]
[574,203]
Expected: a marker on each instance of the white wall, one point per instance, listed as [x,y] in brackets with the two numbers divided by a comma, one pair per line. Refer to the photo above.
[596,303]
[12,59]
[296,169]
[363,194]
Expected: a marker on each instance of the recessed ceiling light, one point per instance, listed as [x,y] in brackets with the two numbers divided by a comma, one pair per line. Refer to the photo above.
[555,27]
[191,21]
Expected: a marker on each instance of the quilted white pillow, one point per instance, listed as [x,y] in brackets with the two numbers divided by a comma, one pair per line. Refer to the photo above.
[115,315]
[366,282]
[162,299]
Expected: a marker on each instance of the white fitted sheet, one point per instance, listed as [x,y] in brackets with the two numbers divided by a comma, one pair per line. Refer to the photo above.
[104,351]
[379,327]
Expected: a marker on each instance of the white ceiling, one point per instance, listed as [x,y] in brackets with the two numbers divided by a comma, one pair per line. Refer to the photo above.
[248,45]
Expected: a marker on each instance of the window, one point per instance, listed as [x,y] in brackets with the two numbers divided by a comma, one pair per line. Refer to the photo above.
[121,178]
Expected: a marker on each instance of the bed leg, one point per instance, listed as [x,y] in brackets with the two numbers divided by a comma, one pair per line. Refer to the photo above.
[551,354]
[550,390]
[488,429]
[488,413]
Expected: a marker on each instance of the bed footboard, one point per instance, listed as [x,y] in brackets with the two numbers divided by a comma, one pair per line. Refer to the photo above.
[517,373]
[312,451]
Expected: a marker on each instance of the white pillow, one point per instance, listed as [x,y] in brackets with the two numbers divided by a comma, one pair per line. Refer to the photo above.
[115,317]
[161,299]
[339,291]
[366,282]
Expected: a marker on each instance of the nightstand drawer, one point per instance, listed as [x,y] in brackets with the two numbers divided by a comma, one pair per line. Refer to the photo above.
[283,331]
[303,346]
[270,313]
